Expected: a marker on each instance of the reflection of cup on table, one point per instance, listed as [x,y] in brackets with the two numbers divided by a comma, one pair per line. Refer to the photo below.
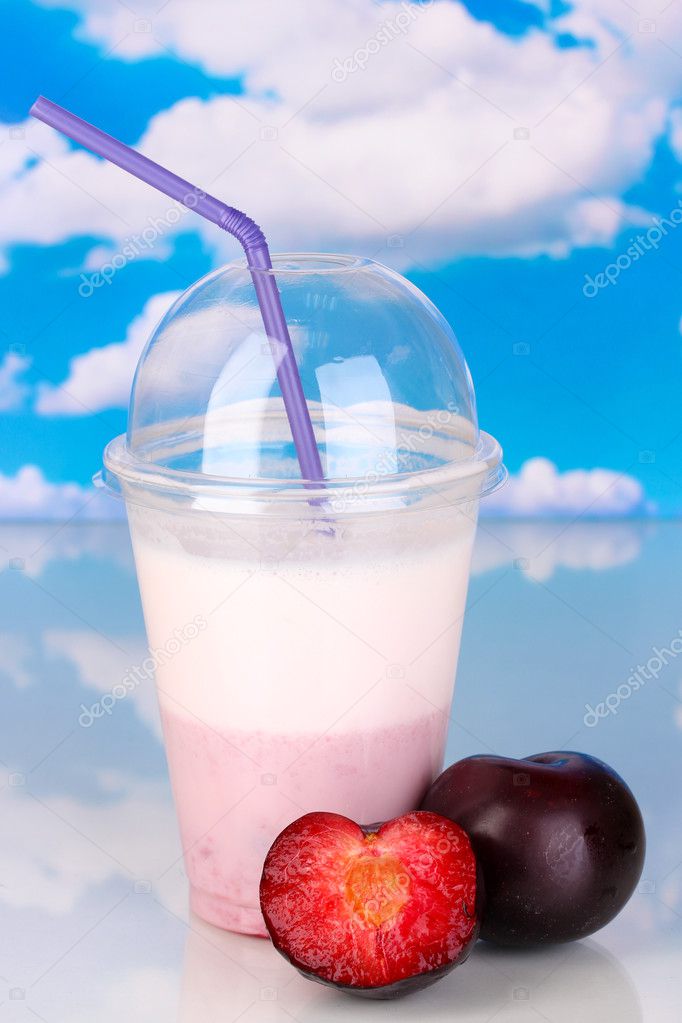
[225,974]
[306,635]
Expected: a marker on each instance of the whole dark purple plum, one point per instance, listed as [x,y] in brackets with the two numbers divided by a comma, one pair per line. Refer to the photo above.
[559,838]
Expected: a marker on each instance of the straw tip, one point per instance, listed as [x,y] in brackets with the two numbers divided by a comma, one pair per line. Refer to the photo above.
[38,106]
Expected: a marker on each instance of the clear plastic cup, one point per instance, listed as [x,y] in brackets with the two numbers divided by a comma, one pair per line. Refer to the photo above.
[306,636]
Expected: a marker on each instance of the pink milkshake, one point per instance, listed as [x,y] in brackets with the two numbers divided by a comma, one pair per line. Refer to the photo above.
[301,470]
[320,616]
[236,791]
[342,704]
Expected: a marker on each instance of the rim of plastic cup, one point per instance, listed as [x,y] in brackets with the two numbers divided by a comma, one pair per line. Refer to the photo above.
[307,263]
[123,469]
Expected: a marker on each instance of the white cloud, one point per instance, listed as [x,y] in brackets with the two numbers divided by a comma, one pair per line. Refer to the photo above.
[538,549]
[29,495]
[101,666]
[49,864]
[676,132]
[419,144]
[39,545]
[96,257]
[13,389]
[540,490]
[101,378]
[16,657]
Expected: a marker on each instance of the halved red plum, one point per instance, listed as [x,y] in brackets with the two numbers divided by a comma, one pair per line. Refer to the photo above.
[379,911]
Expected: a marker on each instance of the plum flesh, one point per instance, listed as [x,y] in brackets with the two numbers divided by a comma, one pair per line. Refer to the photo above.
[378,911]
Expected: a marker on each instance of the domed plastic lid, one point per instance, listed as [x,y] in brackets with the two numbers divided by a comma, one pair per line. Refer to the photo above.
[387,386]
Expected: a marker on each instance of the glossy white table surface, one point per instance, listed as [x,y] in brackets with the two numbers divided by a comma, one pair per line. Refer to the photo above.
[92,893]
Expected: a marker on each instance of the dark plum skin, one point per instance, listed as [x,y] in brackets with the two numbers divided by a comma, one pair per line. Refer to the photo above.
[559,838]
[408,986]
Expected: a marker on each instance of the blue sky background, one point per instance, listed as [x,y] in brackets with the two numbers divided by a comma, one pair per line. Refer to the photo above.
[584,383]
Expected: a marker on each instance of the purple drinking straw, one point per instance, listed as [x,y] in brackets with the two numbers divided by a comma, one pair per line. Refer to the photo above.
[244,230]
